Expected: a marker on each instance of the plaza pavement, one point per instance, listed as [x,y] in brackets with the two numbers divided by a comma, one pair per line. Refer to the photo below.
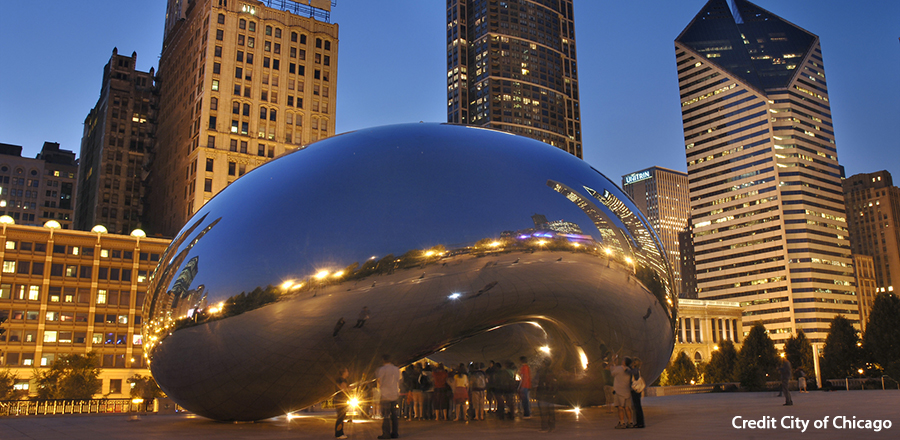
[697,416]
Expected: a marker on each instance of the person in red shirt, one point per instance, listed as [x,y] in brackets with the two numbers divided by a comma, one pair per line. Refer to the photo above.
[525,387]
[440,391]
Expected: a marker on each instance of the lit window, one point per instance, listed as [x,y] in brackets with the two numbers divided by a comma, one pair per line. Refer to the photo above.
[101,296]
[10,245]
[9,267]
[49,336]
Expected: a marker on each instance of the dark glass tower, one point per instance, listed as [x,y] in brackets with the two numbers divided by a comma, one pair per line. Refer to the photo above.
[767,206]
[511,66]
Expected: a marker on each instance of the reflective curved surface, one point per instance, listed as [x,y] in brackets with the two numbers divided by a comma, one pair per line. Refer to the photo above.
[410,240]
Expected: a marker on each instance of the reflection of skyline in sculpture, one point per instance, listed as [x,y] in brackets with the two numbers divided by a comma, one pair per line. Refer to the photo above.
[280,268]
[611,235]
[183,283]
[651,253]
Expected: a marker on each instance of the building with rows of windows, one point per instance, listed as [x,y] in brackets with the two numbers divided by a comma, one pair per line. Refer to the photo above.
[662,195]
[34,191]
[67,291]
[118,141]
[241,82]
[511,66]
[767,205]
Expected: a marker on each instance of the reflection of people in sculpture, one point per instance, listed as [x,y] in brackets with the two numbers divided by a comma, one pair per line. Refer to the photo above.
[388,377]
[337,327]
[363,316]
[546,393]
[786,371]
[340,402]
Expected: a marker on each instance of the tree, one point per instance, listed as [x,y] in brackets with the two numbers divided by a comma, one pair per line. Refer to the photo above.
[841,355]
[721,366]
[144,387]
[8,386]
[757,359]
[799,352]
[680,371]
[72,376]
[881,342]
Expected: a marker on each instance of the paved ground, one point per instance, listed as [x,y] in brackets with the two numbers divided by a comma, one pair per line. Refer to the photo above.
[700,416]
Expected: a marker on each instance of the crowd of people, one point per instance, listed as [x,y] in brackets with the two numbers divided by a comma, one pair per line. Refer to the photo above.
[464,393]
[467,392]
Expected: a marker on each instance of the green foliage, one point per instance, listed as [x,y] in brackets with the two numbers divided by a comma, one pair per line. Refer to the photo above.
[245,302]
[72,376]
[144,387]
[681,371]
[651,281]
[799,352]
[841,355]
[757,360]
[721,366]
[7,384]
[881,342]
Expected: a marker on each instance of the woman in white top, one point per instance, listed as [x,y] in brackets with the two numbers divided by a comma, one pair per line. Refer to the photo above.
[461,392]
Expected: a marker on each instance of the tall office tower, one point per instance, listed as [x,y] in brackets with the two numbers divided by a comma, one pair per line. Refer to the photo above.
[864,267]
[511,66]
[241,82]
[35,191]
[118,140]
[688,265]
[662,195]
[873,214]
[765,186]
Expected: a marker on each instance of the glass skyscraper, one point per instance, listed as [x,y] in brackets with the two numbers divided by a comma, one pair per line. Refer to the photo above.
[767,206]
[511,66]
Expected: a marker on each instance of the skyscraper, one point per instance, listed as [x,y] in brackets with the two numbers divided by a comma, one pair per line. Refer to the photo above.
[119,137]
[766,201]
[241,82]
[511,66]
[662,195]
[873,214]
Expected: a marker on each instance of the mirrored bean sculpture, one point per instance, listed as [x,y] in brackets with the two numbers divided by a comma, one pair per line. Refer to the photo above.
[418,241]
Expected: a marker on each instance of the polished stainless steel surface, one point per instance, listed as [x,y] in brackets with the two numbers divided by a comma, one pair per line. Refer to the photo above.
[447,235]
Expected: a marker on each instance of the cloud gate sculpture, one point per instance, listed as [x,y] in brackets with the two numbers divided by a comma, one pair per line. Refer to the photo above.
[419,240]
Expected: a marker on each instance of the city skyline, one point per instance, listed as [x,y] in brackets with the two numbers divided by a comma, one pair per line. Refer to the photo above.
[624,81]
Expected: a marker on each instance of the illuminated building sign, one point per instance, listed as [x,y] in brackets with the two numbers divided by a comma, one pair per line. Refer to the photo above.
[637,177]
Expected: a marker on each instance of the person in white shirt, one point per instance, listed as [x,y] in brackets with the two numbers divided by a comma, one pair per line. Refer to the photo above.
[388,377]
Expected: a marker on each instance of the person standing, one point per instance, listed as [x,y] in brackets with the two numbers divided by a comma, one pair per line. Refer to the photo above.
[801,380]
[427,382]
[340,402]
[635,371]
[388,378]
[786,371]
[509,387]
[461,392]
[440,392]
[621,392]
[477,385]
[546,395]
[362,318]
[524,374]
[416,393]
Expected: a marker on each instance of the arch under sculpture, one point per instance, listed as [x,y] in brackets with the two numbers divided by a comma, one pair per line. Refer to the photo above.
[463,244]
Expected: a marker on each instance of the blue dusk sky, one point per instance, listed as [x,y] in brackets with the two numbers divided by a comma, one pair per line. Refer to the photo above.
[392,69]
